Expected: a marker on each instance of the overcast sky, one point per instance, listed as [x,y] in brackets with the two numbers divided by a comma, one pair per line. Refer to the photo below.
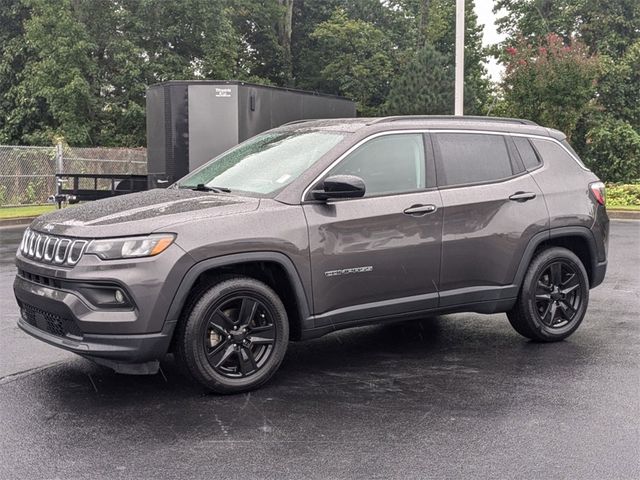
[484,10]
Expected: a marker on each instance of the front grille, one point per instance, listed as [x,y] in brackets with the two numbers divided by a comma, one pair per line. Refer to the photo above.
[49,322]
[52,249]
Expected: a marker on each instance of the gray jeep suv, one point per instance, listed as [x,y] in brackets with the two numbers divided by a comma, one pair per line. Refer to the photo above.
[317,226]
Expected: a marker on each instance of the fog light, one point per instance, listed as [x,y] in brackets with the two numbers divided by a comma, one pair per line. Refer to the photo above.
[119,296]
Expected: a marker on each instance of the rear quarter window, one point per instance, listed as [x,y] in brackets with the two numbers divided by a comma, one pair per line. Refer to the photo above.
[551,151]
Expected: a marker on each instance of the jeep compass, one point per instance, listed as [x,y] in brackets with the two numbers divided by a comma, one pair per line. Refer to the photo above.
[317,226]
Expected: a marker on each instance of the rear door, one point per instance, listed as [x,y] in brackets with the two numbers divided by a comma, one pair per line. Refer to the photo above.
[380,254]
[492,208]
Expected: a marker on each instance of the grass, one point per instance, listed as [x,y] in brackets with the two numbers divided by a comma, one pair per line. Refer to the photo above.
[26,211]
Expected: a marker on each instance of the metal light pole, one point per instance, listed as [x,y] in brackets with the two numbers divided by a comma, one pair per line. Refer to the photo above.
[459,81]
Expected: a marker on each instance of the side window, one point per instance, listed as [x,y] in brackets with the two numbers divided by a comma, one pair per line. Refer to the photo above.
[550,149]
[527,153]
[387,164]
[471,158]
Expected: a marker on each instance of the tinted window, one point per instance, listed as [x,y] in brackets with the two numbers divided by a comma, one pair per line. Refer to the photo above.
[527,153]
[551,150]
[471,158]
[387,164]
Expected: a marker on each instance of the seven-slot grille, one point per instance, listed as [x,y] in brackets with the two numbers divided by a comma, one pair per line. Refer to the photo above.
[51,249]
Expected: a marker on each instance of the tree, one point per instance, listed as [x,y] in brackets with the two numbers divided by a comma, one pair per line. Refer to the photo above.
[15,122]
[264,34]
[604,27]
[141,42]
[619,86]
[550,83]
[356,60]
[424,87]
[441,34]
[80,69]
[57,78]
[613,151]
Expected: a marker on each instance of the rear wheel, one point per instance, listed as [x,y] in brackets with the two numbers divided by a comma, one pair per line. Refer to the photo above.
[554,297]
[234,336]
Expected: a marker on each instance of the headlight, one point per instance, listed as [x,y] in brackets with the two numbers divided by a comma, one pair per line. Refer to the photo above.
[130,247]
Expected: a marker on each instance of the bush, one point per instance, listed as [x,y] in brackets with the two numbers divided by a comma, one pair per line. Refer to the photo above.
[551,83]
[623,195]
[613,151]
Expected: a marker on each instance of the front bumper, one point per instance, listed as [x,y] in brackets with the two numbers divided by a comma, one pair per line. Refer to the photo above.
[132,354]
[56,309]
[54,316]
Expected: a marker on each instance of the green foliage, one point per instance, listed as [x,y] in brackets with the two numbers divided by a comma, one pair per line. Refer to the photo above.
[424,87]
[606,27]
[79,69]
[592,93]
[550,83]
[256,24]
[30,193]
[357,61]
[59,73]
[619,86]
[441,34]
[613,151]
[623,195]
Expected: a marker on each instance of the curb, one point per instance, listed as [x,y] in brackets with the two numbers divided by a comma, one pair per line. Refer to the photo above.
[15,222]
[624,214]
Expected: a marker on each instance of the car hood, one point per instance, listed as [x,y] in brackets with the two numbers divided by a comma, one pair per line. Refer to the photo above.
[140,213]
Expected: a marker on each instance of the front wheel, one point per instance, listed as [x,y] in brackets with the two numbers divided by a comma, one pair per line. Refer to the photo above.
[554,297]
[234,336]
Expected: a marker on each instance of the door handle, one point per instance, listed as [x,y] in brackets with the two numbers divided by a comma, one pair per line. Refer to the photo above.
[419,210]
[522,196]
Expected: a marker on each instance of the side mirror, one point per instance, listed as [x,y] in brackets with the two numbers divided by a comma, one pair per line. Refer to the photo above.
[340,186]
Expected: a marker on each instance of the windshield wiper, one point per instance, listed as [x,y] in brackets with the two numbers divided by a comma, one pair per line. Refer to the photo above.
[201,187]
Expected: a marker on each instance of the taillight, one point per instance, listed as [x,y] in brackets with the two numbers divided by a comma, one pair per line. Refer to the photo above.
[598,190]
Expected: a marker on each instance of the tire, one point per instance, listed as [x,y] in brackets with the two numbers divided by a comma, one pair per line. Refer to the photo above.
[233,335]
[553,298]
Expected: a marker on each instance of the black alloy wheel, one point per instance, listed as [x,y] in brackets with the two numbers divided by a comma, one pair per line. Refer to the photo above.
[553,297]
[233,335]
[239,336]
[558,294]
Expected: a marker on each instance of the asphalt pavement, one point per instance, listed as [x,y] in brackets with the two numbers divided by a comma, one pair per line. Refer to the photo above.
[450,397]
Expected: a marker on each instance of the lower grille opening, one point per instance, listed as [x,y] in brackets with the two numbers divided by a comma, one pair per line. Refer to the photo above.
[49,322]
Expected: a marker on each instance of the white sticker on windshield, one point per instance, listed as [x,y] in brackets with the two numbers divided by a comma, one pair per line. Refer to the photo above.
[283,178]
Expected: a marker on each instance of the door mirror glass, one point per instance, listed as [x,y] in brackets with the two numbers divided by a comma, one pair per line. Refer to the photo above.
[340,186]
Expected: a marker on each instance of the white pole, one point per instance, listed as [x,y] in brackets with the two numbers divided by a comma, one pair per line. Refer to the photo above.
[459,82]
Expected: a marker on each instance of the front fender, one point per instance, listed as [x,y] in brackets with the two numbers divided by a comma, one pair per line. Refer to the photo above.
[189,279]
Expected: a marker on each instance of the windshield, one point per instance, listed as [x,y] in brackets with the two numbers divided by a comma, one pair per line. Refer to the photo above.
[263,164]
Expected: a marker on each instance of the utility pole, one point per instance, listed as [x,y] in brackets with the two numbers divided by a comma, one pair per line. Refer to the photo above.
[459,81]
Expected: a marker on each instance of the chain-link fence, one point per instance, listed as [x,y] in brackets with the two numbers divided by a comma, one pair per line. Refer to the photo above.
[27,174]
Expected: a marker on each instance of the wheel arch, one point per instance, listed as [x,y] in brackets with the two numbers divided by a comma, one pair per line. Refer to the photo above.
[273,268]
[578,240]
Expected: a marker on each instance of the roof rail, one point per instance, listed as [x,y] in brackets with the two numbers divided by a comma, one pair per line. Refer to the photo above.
[473,118]
[297,121]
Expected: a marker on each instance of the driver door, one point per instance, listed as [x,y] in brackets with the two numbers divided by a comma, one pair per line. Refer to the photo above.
[379,254]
